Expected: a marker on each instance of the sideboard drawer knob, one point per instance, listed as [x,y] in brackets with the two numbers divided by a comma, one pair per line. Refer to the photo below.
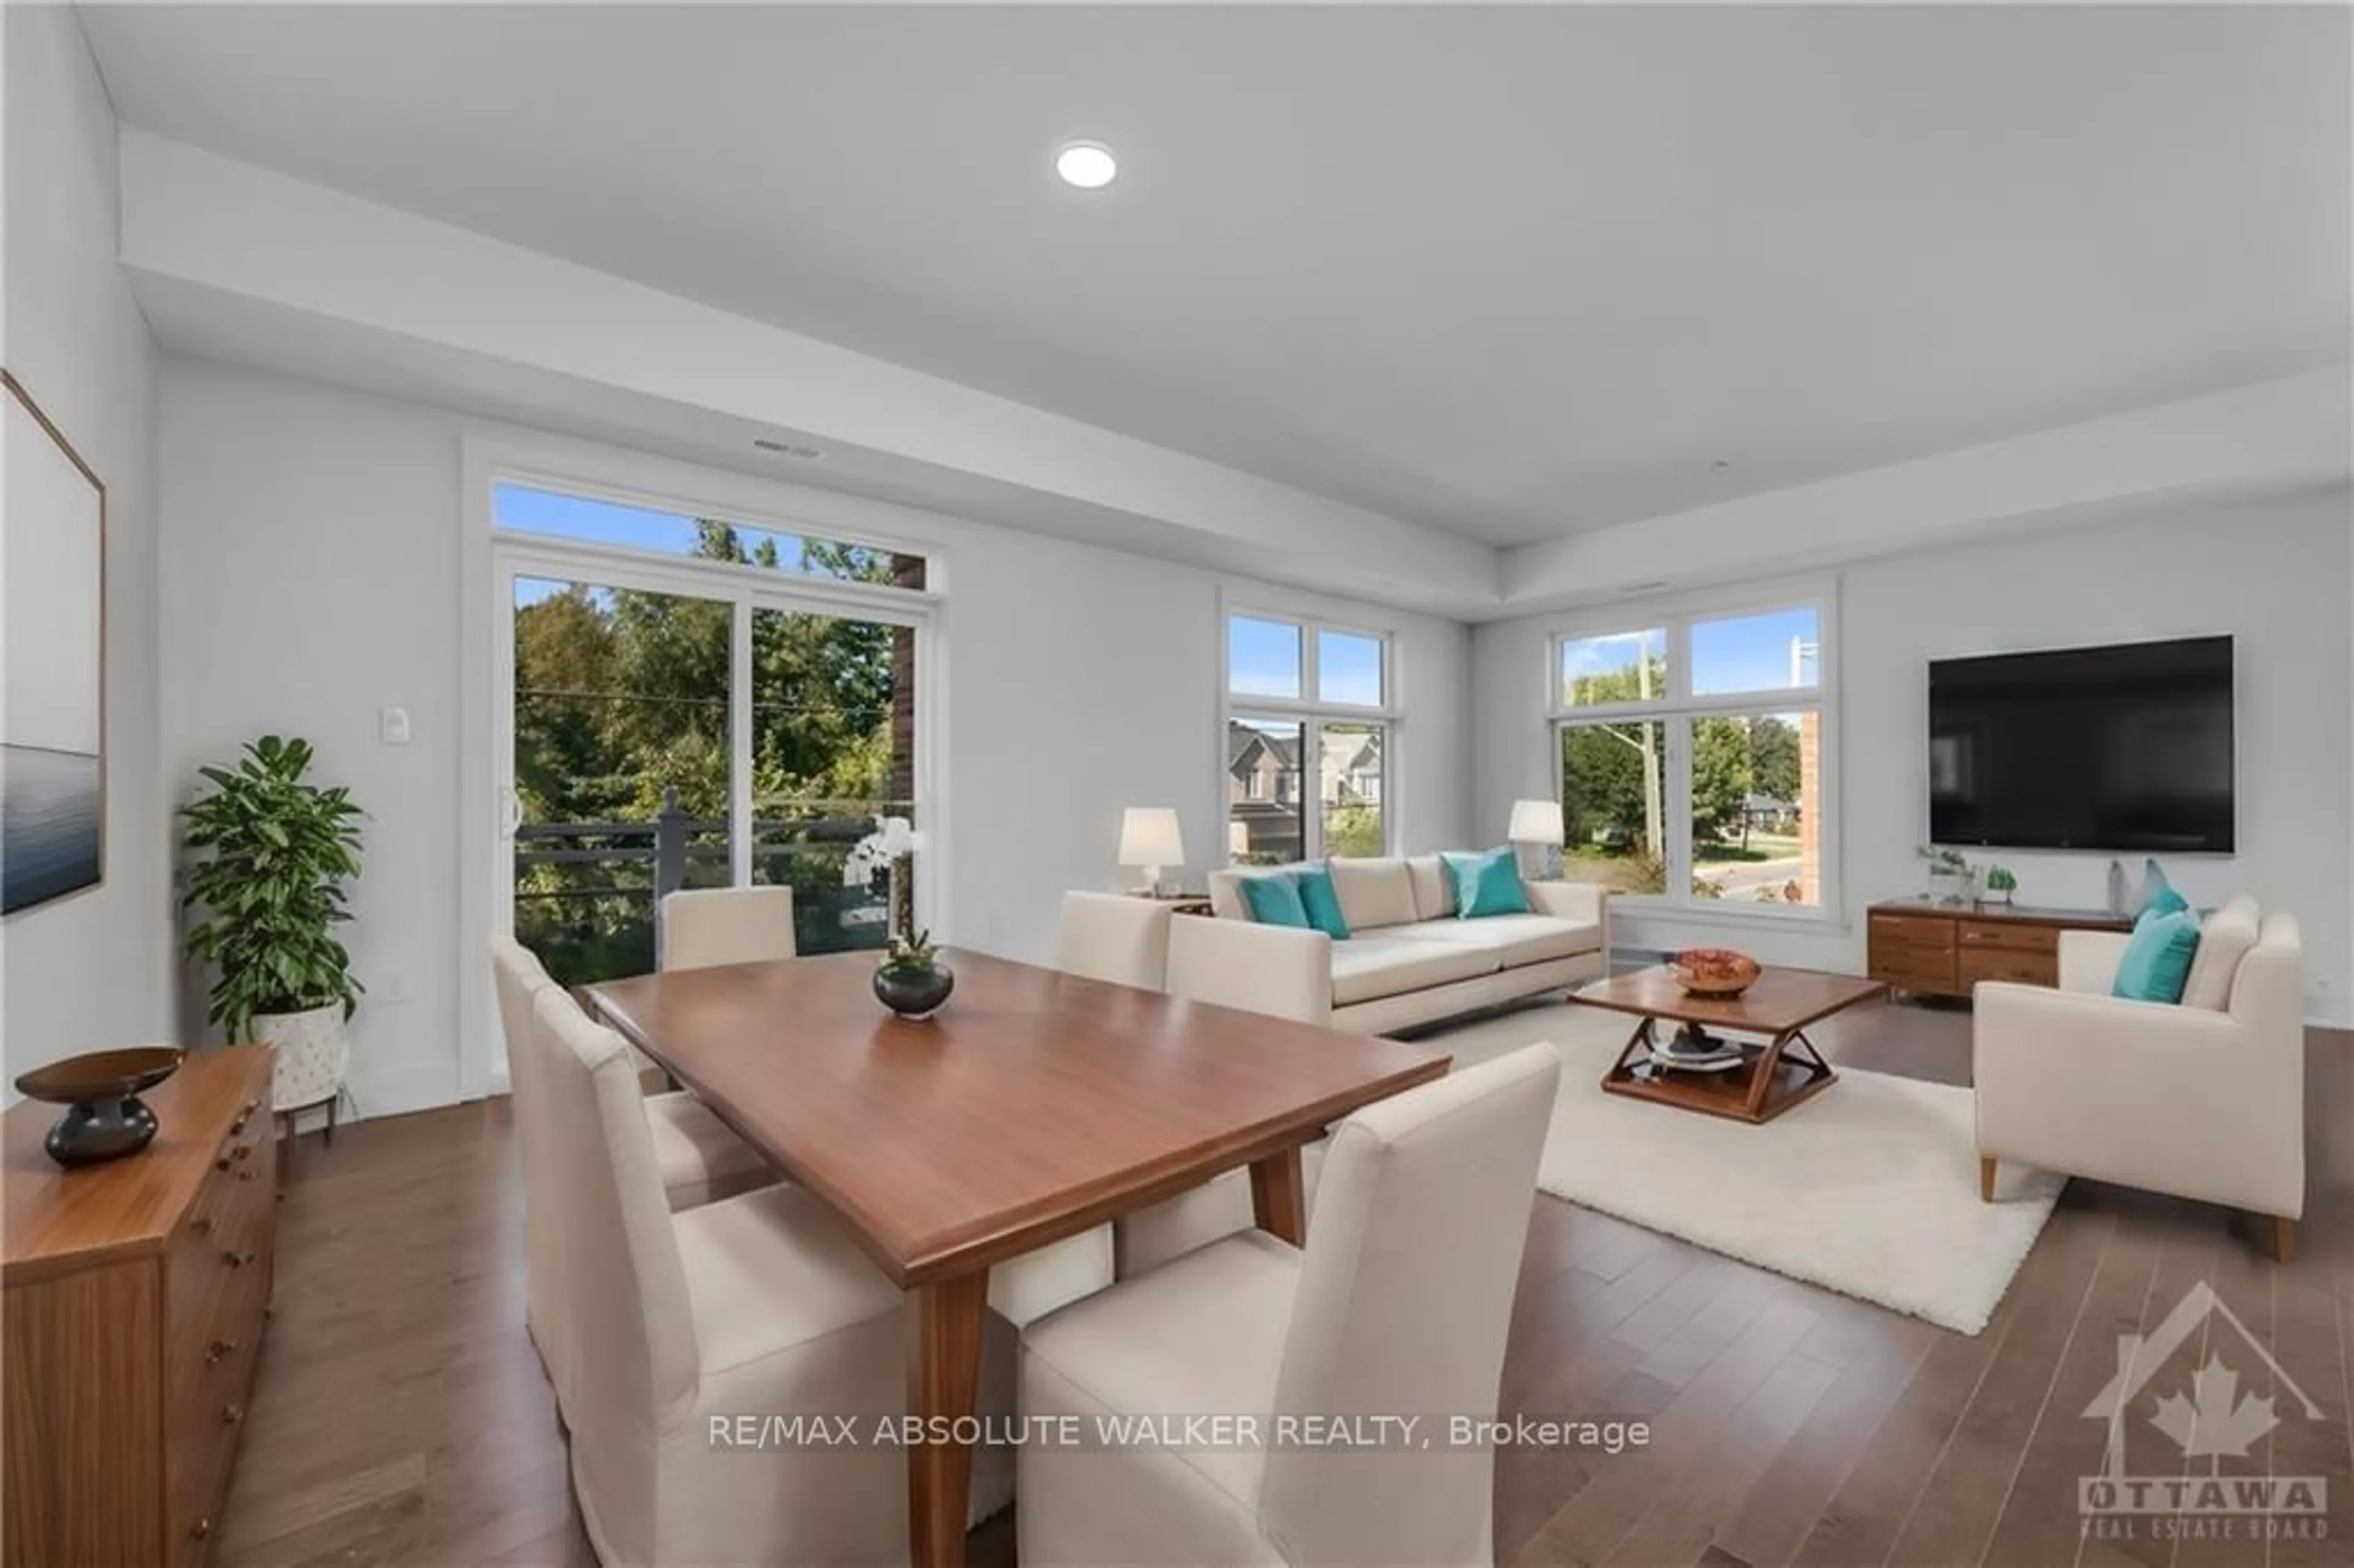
[219,1348]
[243,1152]
[232,1413]
[201,1224]
[222,1163]
[200,1530]
[237,1260]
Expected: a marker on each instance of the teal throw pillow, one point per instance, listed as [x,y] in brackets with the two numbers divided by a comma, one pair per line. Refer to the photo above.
[2157,961]
[1275,901]
[1321,902]
[2158,896]
[1487,883]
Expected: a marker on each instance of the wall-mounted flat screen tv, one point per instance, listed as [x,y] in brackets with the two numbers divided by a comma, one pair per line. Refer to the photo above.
[2120,747]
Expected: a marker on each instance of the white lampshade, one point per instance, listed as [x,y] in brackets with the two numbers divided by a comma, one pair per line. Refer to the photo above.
[1239,837]
[1535,822]
[1149,837]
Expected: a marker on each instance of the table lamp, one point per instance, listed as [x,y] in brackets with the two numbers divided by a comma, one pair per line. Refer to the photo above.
[1538,823]
[1148,840]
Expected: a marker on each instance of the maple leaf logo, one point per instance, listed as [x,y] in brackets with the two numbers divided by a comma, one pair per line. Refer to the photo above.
[2215,1421]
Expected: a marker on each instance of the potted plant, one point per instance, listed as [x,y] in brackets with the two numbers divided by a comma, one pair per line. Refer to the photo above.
[911,981]
[1951,881]
[2002,883]
[273,852]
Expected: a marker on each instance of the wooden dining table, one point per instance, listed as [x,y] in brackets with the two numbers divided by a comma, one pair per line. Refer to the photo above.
[1035,1106]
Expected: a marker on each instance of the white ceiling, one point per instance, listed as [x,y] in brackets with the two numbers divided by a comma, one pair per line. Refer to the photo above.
[1514,273]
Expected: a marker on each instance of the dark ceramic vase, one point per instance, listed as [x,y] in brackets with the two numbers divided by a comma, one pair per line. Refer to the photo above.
[105,1119]
[914,993]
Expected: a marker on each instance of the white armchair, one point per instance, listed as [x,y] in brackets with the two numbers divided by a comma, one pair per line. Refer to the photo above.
[2203,1102]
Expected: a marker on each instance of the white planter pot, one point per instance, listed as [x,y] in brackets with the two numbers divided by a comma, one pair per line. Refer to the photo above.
[313,1051]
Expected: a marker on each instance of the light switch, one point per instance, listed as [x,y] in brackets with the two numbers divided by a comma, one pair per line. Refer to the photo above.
[392,725]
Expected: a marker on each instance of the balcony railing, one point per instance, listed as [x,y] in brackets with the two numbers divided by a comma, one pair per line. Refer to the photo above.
[587,894]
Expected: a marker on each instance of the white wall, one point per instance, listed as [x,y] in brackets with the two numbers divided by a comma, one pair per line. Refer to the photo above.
[2272,573]
[311,557]
[92,969]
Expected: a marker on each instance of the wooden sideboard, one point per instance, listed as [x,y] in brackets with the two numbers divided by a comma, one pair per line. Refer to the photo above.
[1945,949]
[135,1294]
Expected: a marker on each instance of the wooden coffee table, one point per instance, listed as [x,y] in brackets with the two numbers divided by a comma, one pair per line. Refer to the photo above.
[1771,1077]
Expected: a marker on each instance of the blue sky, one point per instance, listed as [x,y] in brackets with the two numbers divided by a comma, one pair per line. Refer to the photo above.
[529,511]
[1263,659]
[1747,653]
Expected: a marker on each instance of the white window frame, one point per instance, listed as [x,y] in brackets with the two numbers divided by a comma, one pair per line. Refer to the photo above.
[1676,711]
[1311,713]
[493,558]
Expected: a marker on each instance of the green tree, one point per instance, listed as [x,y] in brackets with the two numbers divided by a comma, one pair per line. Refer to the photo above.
[1353,828]
[568,766]
[1773,757]
[1721,775]
[624,694]
[1603,767]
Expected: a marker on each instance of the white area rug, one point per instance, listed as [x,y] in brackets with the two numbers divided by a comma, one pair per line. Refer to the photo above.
[1869,1188]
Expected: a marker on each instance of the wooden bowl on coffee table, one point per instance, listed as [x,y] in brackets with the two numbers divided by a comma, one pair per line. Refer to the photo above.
[1713,971]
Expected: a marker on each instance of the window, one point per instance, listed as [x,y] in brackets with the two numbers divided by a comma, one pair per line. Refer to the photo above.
[688,722]
[1617,667]
[1306,776]
[1262,658]
[592,520]
[1692,756]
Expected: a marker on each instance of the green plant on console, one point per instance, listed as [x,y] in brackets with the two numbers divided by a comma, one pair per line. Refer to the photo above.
[1944,861]
[2001,879]
[271,885]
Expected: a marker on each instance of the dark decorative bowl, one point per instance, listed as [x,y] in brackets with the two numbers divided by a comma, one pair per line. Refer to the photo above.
[106,1119]
[914,993]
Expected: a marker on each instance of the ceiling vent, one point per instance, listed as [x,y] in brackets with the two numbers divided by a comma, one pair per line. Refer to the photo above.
[1652,586]
[788,448]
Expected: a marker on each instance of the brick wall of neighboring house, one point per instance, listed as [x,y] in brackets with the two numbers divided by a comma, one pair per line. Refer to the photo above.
[1810,801]
[906,571]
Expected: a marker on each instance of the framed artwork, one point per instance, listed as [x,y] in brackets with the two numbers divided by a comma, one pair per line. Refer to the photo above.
[52,661]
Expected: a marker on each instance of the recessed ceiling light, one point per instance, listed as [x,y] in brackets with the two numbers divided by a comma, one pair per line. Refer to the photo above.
[1087,164]
[1720,464]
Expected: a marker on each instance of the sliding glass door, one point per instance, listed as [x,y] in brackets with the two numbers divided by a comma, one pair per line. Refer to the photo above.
[834,748]
[711,721]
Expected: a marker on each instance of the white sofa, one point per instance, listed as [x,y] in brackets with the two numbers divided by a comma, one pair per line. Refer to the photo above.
[2204,1099]
[1409,961]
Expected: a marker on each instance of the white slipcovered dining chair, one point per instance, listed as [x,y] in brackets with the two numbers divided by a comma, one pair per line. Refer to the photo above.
[1123,940]
[757,1304]
[697,1158]
[1114,937]
[702,927]
[1257,969]
[700,1158]
[1399,1306]
[517,974]
[698,928]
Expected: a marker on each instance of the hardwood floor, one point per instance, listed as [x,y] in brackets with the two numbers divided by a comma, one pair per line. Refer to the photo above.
[401,1417]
